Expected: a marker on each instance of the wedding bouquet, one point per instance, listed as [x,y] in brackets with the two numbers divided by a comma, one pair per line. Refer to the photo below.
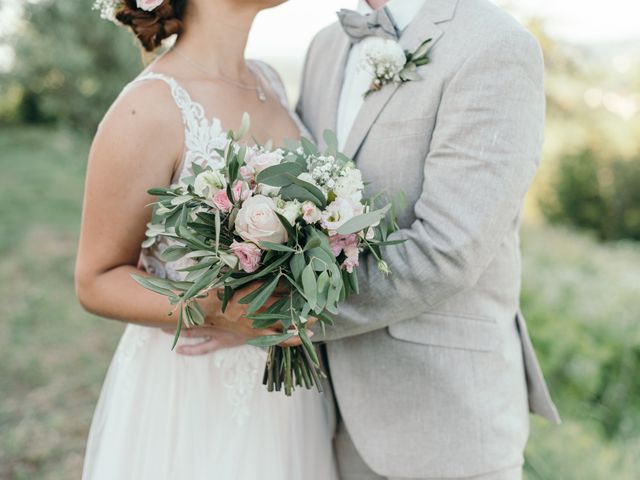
[291,219]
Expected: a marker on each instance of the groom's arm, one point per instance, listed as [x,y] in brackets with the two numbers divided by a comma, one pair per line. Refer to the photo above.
[483,155]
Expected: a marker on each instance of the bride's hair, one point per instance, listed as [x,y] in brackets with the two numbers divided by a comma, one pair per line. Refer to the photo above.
[153,27]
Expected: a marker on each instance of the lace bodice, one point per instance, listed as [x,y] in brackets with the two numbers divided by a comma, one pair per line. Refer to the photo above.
[240,366]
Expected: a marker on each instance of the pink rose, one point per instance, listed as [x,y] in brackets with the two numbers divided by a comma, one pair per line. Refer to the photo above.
[248,254]
[340,211]
[221,200]
[264,160]
[240,191]
[257,221]
[310,212]
[148,5]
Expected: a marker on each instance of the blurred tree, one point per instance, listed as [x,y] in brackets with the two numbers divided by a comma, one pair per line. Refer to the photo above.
[69,64]
[594,192]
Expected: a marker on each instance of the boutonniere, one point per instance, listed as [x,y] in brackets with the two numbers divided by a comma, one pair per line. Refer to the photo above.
[389,62]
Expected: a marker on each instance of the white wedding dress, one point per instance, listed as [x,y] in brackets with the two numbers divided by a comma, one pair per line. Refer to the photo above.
[163,416]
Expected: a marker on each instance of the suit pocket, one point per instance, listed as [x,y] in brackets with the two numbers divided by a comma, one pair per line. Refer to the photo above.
[449,331]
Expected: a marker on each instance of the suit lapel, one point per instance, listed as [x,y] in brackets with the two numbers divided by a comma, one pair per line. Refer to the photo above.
[424,26]
[342,46]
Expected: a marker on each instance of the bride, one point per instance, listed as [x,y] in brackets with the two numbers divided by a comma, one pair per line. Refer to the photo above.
[162,415]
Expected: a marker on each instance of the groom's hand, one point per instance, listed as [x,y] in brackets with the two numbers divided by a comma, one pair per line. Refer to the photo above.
[212,339]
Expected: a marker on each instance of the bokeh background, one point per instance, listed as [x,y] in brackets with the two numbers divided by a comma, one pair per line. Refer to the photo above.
[60,67]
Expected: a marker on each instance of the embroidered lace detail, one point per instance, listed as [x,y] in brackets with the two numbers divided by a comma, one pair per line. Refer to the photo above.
[133,339]
[202,137]
[241,368]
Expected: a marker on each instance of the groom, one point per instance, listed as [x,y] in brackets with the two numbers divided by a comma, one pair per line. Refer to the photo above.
[432,368]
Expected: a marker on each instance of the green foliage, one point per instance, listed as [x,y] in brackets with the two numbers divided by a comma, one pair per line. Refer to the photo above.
[590,191]
[581,302]
[70,65]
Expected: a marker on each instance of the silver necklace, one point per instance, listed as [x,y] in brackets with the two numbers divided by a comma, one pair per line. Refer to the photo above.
[262,96]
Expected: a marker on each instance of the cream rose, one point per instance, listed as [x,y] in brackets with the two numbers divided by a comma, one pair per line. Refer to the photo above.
[257,221]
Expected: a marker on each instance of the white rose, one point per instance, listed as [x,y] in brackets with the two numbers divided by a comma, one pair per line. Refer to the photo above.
[257,221]
[350,185]
[209,182]
[340,211]
[264,160]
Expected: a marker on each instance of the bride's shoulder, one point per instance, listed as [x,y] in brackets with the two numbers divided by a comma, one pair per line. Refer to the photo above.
[142,120]
[144,104]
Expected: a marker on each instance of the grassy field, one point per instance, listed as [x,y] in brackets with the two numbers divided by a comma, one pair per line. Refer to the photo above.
[581,300]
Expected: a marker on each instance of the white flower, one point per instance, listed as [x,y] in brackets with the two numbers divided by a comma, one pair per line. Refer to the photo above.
[350,185]
[257,221]
[340,211]
[258,162]
[209,182]
[383,57]
[290,210]
[107,9]
[268,190]
[307,177]
[310,213]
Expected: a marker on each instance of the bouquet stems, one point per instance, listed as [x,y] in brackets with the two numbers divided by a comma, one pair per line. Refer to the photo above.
[290,367]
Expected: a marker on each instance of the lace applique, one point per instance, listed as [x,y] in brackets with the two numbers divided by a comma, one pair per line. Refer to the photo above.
[241,368]
[133,339]
[201,137]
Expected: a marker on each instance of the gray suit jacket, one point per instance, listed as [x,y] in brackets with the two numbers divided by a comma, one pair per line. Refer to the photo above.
[432,367]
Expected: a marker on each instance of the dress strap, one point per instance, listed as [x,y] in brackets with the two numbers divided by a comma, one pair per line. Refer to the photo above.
[202,138]
[192,112]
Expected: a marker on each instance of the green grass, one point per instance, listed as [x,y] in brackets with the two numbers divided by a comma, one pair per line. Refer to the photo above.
[580,298]
[53,356]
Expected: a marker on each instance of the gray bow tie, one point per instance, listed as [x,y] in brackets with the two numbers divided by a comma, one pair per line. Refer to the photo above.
[358,26]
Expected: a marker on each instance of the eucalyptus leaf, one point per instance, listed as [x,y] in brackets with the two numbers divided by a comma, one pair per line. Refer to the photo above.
[276,175]
[297,265]
[310,286]
[361,222]
[308,146]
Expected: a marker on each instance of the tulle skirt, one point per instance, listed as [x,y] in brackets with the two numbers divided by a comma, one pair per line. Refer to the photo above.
[165,416]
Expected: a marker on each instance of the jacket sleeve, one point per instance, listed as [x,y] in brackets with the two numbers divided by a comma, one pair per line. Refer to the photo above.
[483,155]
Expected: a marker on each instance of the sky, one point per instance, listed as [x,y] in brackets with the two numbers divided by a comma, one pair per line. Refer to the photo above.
[279,31]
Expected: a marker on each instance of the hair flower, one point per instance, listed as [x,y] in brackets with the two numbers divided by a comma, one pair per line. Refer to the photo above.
[148,5]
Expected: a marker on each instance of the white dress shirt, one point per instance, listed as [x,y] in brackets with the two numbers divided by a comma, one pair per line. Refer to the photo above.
[357,79]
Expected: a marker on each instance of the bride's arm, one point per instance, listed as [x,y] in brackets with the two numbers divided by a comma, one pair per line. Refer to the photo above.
[136,147]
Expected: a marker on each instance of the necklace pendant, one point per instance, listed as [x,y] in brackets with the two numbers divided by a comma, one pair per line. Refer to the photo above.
[261,96]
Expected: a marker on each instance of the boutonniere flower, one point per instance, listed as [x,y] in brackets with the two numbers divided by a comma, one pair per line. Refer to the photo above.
[389,62]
